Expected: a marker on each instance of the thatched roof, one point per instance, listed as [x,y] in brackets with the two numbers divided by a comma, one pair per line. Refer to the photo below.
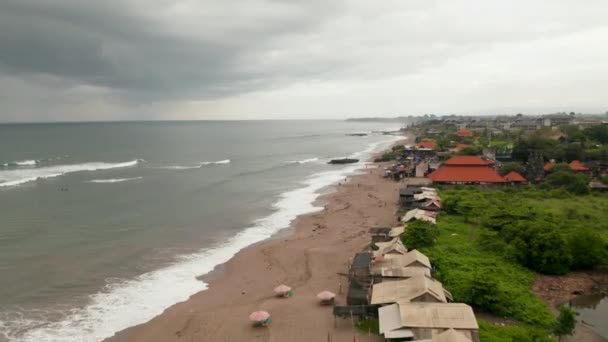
[404,272]
[412,258]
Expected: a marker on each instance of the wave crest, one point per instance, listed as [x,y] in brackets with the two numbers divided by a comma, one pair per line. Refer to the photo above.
[21,176]
[113,180]
[303,161]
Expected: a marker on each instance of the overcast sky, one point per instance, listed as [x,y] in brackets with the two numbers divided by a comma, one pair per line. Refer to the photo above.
[82,60]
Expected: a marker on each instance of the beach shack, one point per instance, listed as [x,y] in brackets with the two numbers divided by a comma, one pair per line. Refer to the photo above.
[385,274]
[359,276]
[420,214]
[380,234]
[389,249]
[412,258]
[415,289]
[428,322]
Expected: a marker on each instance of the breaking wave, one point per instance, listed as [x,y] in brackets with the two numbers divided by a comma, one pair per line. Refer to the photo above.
[21,176]
[303,161]
[219,162]
[190,167]
[113,180]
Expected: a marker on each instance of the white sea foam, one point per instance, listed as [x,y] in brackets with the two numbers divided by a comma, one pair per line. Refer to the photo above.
[131,302]
[113,180]
[303,161]
[21,176]
[190,167]
[219,162]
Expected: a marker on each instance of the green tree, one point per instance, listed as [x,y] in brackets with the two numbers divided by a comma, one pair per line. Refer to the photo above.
[470,151]
[420,234]
[512,166]
[566,322]
[575,183]
[588,247]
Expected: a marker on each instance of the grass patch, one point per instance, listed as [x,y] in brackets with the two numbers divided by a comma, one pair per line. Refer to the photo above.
[489,332]
[369,325]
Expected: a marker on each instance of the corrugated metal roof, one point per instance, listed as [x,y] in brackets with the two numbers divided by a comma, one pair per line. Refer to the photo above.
[404,272]
[401,261]
[407,290]
[437,315]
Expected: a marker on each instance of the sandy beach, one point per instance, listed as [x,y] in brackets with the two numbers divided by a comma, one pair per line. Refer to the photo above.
[309,260]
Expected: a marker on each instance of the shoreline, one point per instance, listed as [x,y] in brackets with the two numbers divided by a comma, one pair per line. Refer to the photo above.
[306,256]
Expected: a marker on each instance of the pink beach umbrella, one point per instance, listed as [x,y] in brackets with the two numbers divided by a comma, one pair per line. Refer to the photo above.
[326,297]
[283,290]
[260,317]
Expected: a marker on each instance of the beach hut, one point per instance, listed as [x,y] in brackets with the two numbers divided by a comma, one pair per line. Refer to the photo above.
[384,274]
[419,214]
[415,289]
[426,321]
[411,258]
[389,249]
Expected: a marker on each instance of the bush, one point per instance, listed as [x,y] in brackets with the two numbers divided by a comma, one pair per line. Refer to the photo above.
[369,325]
[470,151]
[588,247]
[419,234]
[512,166]
[566,322]
[387,156]
[605,179]
[576,183]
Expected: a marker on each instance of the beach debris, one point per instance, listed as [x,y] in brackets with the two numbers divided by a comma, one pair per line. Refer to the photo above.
[283,291]
[326,297]
[260,318]
[344,161]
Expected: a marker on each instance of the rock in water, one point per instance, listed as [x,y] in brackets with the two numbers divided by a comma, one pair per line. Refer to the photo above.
[343,161]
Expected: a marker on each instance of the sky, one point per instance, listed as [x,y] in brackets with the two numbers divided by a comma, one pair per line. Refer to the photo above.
[73,60]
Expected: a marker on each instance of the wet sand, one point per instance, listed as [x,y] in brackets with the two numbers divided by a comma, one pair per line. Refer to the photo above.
[309,260]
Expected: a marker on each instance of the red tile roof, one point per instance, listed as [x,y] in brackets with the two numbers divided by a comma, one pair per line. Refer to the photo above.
[578,166]
[427,144]
[468,161]
[464,133]
[549,165]
[466,174]
[514,176]
[461,146]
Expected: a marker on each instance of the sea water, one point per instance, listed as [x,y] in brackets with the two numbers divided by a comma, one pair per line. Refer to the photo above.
[105,225]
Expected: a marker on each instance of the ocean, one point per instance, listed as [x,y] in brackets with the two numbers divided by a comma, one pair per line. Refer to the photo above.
[105,225]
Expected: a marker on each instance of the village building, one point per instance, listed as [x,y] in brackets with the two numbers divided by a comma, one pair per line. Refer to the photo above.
[466,170]
[384,234]
[431,145]
[465,133]
[575,165]
[427,321]
[515,177]
[410,259]
[419,214]
[389,249]
[383,274]
[415,289]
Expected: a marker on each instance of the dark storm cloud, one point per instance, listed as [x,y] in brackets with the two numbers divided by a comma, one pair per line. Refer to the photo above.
[118,45]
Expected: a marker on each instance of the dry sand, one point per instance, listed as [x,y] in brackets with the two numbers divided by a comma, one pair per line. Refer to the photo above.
[308,260]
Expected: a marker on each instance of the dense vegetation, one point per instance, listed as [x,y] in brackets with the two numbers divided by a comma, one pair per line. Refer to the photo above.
[491,242]
[419,234]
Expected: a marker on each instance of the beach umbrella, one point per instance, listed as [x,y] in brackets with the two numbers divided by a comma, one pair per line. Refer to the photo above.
[283,290]
[326,296]
[260,317]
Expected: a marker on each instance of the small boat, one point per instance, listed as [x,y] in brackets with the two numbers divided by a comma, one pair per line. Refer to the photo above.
[343,161]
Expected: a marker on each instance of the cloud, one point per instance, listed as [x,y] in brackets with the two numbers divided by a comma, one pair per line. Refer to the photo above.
[136,59]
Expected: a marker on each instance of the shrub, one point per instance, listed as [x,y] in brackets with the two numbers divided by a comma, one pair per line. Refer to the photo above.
[575,183]
[566,322]
[512,166]
[387,156]
[419,234]
[588,247]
